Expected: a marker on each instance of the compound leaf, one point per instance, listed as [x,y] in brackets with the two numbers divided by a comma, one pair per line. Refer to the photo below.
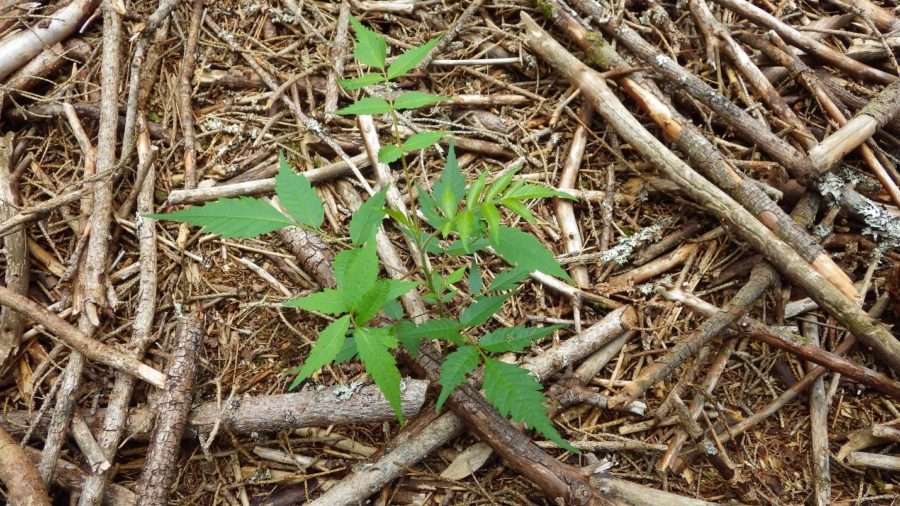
[380,364]
[526,251]
[355,83]
[347,352]
[368,305]
[454,369]
[297,195]
[398,287]
[483,308]
[451,187]
[514,339]
[508,279]
[359,274]
[327,347]
[423,140]
[474,281]
[365,221]
[371,48]
[491,216]
[519,208]
[523,191]
[499,184]
[417,99]
[389,153]
[240,217]
[408,60]
[515,393]
[367,105]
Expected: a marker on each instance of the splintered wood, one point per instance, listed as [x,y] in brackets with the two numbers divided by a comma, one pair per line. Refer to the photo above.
[727,333]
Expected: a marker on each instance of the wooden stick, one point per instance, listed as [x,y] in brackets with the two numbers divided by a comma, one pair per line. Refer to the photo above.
[90,295]
[818,423]
[23,483]
[19,49]
[617,116]
[760,280]
[161,463]
[316,407]
[874,461]
[42,67]
[264,186]
[881,110]
[640,495]
[16,248]
[758,81]
[565,211]
[337,52]
[75,339]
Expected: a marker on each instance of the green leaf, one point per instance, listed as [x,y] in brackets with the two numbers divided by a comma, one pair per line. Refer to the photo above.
[371,48]
[327,301]
[514,339]
[526,251]
[429,208]
[475,190]
[362,81]
[491,216]
[340,263]
[372,347]
[440,328]
[398,287]
[347,352]
[518,208]
[367,105]
[359,275]
[454,369]
[368,305]
[408,60]
[451,187]
[455,276]
[327,347]
[523,191]
[499,185]
[417,99]
[515,393]
[399,217]
[393,309]
[365,221]
[508,279]
[297,195]
[423,140]
[240,217]
[465,223]
[456,247]
[482,309]
[389,153]
[474,279]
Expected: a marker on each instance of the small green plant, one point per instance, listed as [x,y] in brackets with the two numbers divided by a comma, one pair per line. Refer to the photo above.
[457,220]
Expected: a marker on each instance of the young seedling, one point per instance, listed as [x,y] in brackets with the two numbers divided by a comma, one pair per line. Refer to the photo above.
[459,219]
